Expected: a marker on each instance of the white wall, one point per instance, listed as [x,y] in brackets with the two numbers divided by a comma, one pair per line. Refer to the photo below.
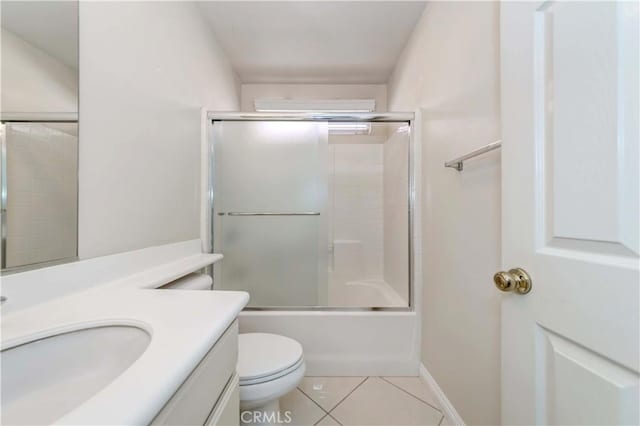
[33,80]
[450,69]
[250,92]
[146,70]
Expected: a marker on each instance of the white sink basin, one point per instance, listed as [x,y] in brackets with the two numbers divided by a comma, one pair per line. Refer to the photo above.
[45,379]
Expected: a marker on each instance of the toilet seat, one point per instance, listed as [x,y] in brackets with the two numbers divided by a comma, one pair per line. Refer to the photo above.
[264,357]
[269,366]
[246,382]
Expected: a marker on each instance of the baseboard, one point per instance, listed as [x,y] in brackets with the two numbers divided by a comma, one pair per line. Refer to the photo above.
[357,367]
[448,409]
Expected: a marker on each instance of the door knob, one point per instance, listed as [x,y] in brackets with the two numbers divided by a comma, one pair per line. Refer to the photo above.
[516,280]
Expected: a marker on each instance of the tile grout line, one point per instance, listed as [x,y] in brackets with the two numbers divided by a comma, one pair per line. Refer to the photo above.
[324,417]
[334,419]
[409,393]
[326,413]
[347,396]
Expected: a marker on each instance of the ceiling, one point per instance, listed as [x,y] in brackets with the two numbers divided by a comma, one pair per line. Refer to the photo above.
[313,42]
[51,26]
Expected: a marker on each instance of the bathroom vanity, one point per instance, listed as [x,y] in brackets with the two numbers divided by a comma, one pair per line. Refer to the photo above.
[123,352]
[209,396]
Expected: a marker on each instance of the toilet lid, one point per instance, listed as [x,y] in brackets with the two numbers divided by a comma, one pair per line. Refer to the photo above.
[262,355]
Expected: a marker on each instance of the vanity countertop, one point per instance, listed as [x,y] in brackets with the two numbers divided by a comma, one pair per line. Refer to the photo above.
[183,325]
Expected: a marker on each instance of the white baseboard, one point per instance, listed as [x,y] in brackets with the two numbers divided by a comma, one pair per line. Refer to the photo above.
[448,409]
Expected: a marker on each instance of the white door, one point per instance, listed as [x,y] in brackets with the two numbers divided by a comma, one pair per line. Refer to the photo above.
[570,212]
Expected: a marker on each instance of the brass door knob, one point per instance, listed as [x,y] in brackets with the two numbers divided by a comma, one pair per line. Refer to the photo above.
[516,280]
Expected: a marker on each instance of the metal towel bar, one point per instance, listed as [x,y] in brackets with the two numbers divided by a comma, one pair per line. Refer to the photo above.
[458,163]
[269,214]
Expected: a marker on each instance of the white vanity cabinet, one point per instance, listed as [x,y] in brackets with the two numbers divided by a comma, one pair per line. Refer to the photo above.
[209,396]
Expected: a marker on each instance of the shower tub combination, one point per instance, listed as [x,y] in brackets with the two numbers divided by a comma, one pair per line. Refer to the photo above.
[314,213]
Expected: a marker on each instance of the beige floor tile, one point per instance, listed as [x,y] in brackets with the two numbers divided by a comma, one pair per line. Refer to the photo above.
[329,391]
[377,402]
[415,387]
[303,411]
[328,421]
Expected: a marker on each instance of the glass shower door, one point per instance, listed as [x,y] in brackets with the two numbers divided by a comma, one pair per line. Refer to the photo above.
[270,201]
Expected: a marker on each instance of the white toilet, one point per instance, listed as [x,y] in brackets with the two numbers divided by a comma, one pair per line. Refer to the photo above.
[269,367]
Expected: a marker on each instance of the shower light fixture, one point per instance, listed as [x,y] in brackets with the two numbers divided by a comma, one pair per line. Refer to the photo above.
[345,106]
[314,105]
[349,128]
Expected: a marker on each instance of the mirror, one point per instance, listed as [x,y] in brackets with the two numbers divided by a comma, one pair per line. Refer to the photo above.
[39,133]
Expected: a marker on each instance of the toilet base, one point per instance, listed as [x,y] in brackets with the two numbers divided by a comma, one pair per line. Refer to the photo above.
[267,414]
[259,402]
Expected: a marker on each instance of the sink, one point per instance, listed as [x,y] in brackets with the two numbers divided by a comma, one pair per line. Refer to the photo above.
[45,379]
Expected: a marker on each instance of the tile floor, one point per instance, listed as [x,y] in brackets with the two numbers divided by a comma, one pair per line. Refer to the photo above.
[363,401]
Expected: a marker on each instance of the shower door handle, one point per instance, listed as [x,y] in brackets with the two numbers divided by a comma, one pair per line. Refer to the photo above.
[269,214]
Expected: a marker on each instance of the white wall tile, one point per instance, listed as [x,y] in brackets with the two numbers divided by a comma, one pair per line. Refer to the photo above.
[357,194]
[41,193]
[396,207]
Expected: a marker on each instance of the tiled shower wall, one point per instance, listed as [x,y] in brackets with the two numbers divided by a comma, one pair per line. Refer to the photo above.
[396,206]
[355,207]
[42,184]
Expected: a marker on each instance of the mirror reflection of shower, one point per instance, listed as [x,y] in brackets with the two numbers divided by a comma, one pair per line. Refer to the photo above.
[312,213]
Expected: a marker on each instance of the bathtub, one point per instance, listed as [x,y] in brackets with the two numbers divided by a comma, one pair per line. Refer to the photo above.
[364,293]
[346,343]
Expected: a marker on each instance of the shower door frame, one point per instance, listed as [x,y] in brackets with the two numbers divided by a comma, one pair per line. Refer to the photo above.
[349,117]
